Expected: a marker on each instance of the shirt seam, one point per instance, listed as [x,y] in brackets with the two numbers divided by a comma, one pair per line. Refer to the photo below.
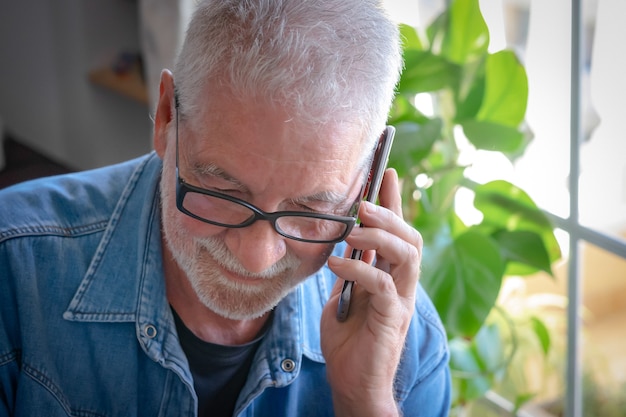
[12,355]
[51,230]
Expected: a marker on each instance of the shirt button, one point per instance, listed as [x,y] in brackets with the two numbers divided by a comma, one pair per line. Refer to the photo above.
[288,365]
[150,331]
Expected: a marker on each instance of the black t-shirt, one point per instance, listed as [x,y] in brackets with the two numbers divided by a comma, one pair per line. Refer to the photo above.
[219,372]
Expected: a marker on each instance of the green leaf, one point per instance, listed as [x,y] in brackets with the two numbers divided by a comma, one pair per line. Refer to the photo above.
[456,225]
[439,197]
[468,380]
[404,111]
[489,348]
[469,96]
[524,247]
[509,207]
[463,280]
[493,137]
[436,31]
[410,38]
[521,270]
[425,72]
[413,143]
[521,399]
[467,37]
[542,333]
[528,135]
[506,90]
[506,206]
[435,230]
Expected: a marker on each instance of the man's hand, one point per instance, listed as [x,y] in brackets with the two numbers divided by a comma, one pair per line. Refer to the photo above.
[362,354]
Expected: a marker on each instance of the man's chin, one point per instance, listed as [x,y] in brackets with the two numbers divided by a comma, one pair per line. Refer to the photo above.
[242,306]
[238,297]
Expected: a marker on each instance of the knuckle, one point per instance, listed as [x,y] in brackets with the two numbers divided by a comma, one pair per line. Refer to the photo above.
[419,239]
[413,248]
[412,253]
[385,282]
[417,243]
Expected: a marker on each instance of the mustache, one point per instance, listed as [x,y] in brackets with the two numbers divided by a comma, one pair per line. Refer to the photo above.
[220,253]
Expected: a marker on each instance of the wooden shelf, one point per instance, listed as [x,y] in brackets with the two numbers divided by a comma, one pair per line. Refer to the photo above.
[129,83]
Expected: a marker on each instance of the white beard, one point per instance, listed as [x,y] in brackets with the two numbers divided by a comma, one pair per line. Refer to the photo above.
[201,260]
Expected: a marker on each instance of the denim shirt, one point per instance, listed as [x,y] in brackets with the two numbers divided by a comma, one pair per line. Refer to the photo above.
[86,330]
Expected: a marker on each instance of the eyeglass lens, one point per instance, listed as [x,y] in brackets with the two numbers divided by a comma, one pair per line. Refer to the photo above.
[229,213]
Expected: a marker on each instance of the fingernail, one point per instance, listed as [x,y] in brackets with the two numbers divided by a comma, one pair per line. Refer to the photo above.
[334,261]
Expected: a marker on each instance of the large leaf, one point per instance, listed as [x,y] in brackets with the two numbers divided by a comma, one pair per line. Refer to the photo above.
[471,91]
[433,212]
[523,247]
[509,207]
[506,206]
[435,230]
[425,72]
[467,37]
[403,110]
[492,136]
[413,143]
[463,280]
[506,90]
[438,198]
[410,38]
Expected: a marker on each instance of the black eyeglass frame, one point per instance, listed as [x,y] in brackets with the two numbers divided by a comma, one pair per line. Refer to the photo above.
[182,188]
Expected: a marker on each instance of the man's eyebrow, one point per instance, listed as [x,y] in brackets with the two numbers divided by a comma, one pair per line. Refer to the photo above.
[329,197]
[210,169]
[326,197]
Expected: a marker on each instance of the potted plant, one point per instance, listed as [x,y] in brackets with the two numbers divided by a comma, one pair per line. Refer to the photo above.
[478,101]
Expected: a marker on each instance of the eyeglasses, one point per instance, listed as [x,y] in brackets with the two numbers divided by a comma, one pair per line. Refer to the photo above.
[227,211]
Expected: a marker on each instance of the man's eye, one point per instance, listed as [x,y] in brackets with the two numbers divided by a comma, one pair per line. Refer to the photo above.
[228,191]
[219,187]
[303,207]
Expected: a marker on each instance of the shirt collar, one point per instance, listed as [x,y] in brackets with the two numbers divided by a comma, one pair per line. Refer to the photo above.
[110,292]
[107,294]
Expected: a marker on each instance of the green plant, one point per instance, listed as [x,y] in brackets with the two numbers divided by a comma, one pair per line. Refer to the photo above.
[484,96]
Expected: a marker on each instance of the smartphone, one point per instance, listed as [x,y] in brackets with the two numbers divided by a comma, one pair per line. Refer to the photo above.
[370,193]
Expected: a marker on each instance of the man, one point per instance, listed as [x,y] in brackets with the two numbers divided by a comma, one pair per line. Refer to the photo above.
[202,279]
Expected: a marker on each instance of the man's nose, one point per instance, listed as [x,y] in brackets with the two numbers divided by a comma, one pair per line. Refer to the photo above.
[257,247]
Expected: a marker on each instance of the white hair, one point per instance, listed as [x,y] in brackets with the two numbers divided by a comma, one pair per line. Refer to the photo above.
[326,61]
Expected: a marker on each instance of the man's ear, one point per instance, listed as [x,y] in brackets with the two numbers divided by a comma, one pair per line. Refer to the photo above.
[164,112]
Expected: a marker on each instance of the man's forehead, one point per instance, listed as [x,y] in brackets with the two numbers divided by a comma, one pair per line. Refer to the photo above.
[218,101]
[221,117]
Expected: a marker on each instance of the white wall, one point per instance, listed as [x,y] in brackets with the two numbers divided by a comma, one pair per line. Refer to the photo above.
[46,51]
